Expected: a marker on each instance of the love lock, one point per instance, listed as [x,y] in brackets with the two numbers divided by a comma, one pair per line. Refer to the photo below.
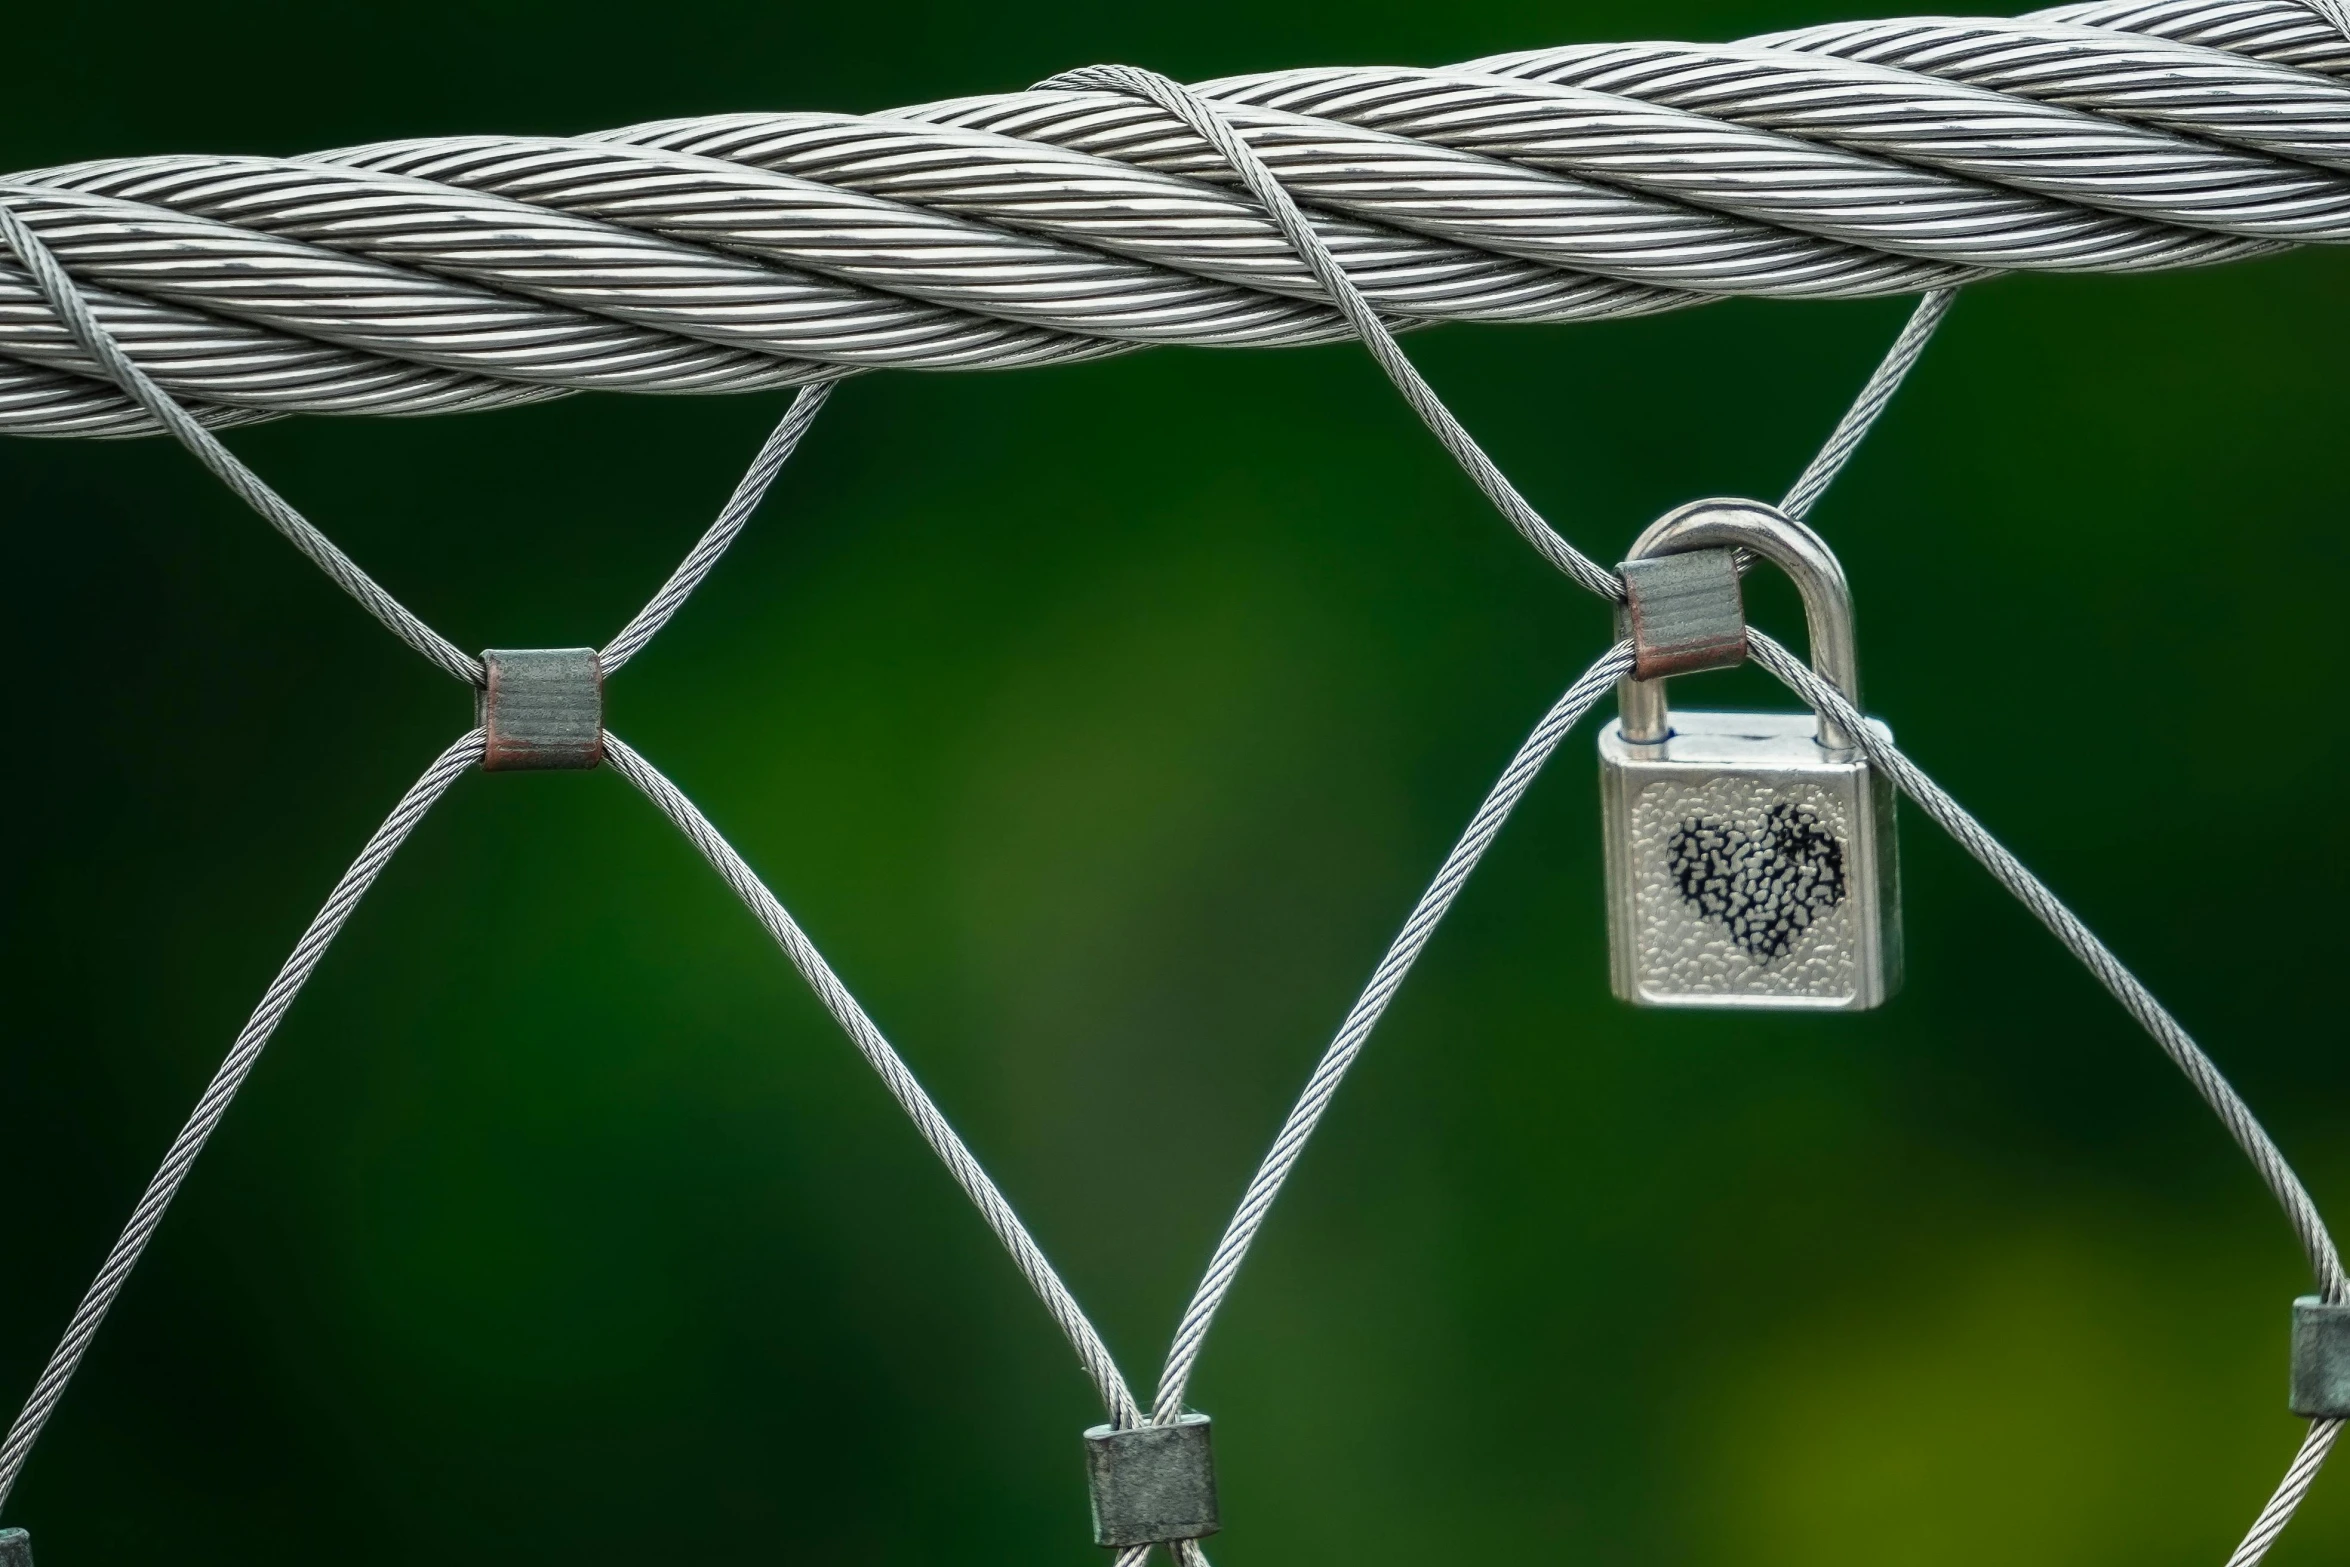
[1750,856]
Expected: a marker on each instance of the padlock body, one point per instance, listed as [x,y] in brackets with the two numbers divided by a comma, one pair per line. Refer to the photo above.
[1747,868]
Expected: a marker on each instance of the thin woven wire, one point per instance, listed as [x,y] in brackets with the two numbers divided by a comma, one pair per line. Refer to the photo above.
[1329,1072]
[732,518]
[220,1093]
[2290,1493]
[2301,1212]
[180,1159]
[1844,441]
[2208,1081]
[928,1120]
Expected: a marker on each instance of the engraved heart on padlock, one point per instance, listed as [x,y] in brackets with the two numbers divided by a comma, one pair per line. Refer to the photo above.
[1767,880]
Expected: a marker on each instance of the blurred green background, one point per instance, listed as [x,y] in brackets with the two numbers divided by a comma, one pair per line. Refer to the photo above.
[1102,724]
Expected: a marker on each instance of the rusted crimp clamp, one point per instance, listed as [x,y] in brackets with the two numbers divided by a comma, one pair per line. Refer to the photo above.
[1152,1484]
[1684,613]
[540,708]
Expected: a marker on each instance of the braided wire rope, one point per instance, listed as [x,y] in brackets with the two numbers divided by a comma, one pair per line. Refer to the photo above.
[1883,382]
[733,517]
[220,1093]
[928,1120]
[2325,1260]
[1219,124]
[745,251]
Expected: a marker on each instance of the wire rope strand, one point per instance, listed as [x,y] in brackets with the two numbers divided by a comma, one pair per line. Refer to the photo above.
[2276,1173]
[2338,14]
[1862,416]
[71,309]
[1355,1032]
[1210,122]
[895,1075]
[243,1056]
[2289,1495]
[697,565]
[2300,1210]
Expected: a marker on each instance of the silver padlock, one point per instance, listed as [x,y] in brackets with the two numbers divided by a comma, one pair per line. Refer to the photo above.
[1750,856]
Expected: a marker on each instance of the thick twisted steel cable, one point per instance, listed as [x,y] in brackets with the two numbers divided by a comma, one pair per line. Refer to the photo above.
[749,251]
[204,358]
[891,1068]
[220,1093]
[2333,11]
[2284,33]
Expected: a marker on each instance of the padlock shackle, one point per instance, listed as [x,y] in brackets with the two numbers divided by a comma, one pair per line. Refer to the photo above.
[1795,550]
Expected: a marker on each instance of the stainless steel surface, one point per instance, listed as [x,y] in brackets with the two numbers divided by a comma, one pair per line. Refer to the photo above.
[2321,1359]
[1684,613]
[541,709]
[1794,549]
[1745,868]
[1750,856]
[1152,1484]
[16,1548]
[736,252]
